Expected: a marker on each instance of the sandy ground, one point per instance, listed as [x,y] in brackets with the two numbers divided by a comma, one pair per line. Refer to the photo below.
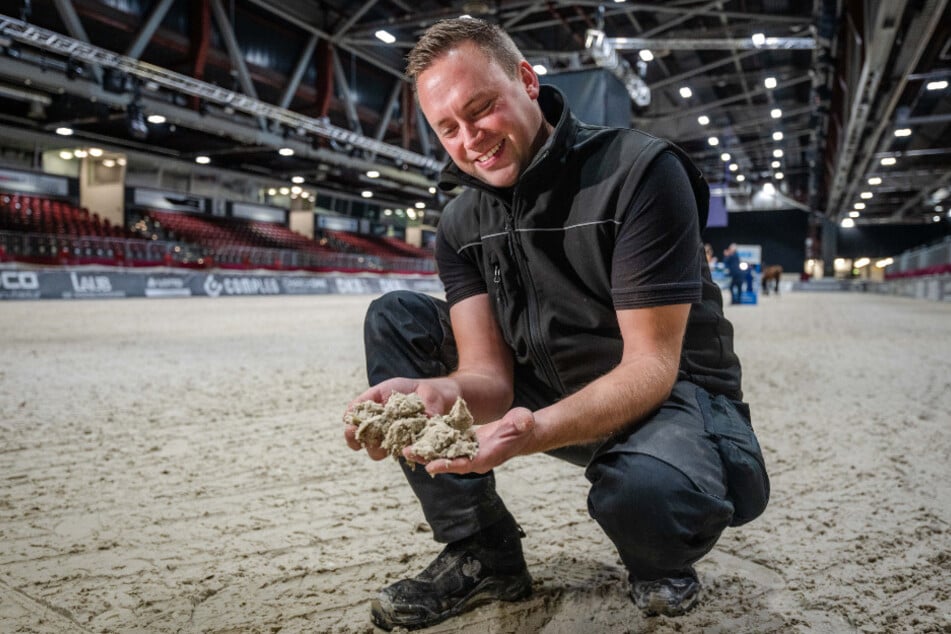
[177,466]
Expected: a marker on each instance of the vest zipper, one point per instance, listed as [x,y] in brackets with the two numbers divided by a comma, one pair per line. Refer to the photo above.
[535,340]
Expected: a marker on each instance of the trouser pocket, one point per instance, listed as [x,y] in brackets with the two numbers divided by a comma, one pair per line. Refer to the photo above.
[746,477]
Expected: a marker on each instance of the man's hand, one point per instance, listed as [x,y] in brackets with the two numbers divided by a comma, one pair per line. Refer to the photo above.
[510,436]
[438,395]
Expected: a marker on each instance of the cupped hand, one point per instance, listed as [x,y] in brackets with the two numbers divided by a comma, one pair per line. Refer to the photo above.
[499,441]
[438,395]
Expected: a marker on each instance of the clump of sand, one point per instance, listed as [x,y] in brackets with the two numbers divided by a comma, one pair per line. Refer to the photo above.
[402,421]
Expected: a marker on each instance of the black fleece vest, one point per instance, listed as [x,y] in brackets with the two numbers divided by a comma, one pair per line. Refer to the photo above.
[550,288]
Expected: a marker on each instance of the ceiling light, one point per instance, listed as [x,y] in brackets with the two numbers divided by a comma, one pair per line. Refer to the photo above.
[875,180]
[902,132]
[385,36]
[156,119]
[777,153]
[885,262]
[297,179]
[866,195]
[758,39]
[861,262]
[685,92]
[94,151]
[202,160]
[64,131]
[779,176]
[853,214]
[847,223]
[432,190]
[777,136]
[284,191]
[775,113]
[109,163]
[714,141]
[66,155]
[940,194]
[888,160]
[366,193]
[286,151]
[411,213]
[770,82]
[646,55]
[540,69]
[734,167]
[740,178]
[272,192]
[937,85]
[387,212]
[373,174]
[775,164]
[80,153]
[420,205]
[936,218]
[120,161]
[859,206]
[725,157]
[703,119]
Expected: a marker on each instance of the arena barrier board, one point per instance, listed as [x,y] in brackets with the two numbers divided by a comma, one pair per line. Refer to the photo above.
[82,283]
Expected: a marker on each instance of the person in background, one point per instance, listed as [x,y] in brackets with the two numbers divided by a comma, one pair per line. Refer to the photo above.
[731,260]
[580,321]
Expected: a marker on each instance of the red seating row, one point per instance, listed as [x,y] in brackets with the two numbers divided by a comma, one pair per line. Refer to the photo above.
[42,215]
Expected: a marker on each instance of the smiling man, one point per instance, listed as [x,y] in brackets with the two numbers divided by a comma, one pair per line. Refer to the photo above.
[580,321]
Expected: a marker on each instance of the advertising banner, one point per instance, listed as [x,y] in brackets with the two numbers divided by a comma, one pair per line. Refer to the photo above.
[102,284]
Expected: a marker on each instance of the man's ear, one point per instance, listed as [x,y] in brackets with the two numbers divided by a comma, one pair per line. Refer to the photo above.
[529,79]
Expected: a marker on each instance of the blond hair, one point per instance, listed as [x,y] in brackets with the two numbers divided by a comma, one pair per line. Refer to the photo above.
[445,35]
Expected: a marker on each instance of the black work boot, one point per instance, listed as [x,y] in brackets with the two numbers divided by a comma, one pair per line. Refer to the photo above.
[488,566]
[672,596]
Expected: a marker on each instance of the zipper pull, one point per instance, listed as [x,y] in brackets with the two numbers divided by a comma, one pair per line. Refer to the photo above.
[497,276]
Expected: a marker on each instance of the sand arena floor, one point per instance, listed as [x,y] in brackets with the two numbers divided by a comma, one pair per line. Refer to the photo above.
[178,466]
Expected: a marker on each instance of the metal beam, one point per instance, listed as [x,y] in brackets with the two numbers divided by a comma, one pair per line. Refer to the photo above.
[352,117]
[353,18]
[883,31]
[51,41]
[234,52]
[700,69]
[711,44]
[148,29]
[67,12]
[298,74]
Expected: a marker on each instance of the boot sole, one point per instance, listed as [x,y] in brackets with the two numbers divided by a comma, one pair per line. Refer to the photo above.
[510,588]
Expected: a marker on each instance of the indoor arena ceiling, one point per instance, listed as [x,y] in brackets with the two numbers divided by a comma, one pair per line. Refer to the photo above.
[841,105]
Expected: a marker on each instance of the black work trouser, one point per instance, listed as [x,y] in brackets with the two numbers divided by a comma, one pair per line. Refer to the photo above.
[658,492]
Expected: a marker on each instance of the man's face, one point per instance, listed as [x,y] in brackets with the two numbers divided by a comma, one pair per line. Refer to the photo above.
[489,122]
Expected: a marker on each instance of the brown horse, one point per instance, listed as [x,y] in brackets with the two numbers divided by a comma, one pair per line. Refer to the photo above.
[771,274]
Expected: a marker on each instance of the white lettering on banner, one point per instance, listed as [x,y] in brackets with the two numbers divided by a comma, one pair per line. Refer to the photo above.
[166,287]
[304,284]
[252,286]
[351,286]
[19,281]
[387,285]
[428,286]
[92,284]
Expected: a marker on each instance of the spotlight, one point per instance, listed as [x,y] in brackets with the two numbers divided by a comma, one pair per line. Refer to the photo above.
[138,128]
[74,69]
